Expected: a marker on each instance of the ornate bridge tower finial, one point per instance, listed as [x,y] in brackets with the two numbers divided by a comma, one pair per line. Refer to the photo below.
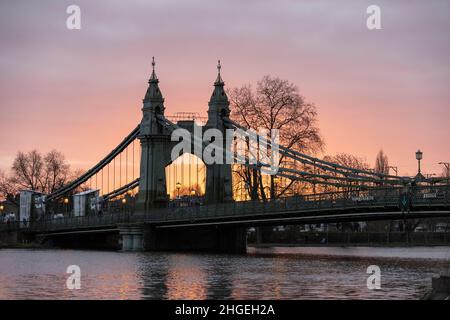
[153,76]
[219,105]
[153,93]
[219,80]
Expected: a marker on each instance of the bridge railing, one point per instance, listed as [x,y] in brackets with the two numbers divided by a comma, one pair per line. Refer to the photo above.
[67,223]
[380,198]
[431,196]
[300,205]
[9,226]
[308,205]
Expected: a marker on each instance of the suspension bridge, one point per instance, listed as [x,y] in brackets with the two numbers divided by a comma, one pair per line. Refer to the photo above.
[143,198]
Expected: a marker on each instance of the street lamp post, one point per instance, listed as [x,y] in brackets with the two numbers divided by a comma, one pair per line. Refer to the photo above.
[178,186]
[193,194]
[66,202]
[419,156]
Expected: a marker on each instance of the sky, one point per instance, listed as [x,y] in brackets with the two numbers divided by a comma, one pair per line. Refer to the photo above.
[81,91]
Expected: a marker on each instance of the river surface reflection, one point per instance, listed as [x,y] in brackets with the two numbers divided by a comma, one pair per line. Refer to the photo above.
[274,273]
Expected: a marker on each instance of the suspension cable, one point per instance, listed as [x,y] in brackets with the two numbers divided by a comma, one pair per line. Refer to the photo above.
[83,178]
[304,158]
[241,160]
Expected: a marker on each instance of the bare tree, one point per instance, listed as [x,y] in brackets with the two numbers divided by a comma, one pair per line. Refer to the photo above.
[275,104]
[8,189]
[347,160]
[56,171]
[27,170]
[446,171]
[41,173]
[382,163]
[75,174]
[356,162]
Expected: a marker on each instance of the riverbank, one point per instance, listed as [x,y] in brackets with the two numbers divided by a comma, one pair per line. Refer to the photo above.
[369,239]
[337,245]
[441,253]
[21,246]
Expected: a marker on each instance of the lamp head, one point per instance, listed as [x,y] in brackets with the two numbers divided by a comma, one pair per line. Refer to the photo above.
[419,155]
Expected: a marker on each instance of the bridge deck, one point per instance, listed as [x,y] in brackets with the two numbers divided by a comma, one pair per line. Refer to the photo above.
[317,208]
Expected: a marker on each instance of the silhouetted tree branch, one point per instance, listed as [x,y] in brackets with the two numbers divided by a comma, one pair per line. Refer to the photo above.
[275,104]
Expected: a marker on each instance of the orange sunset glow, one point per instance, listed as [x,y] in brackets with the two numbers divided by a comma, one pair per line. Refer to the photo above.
[80,91]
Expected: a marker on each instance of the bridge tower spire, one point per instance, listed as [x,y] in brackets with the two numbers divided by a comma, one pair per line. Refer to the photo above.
[219,106]
[154,140]
[218,176]
[153,99]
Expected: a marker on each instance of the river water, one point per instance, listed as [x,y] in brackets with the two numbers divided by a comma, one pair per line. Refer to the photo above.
[270,273]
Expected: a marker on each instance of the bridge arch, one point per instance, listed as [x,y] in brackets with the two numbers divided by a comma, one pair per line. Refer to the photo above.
[186,176]
[157,148]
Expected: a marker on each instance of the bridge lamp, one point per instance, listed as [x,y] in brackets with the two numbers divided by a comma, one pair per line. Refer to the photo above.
[192,192]
[419,156]
[124,201]
[178,186]
[66,202]
[2,207]
[276,180]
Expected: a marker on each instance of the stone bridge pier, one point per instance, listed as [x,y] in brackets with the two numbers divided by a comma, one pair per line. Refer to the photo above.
[222,239]
[132,236]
